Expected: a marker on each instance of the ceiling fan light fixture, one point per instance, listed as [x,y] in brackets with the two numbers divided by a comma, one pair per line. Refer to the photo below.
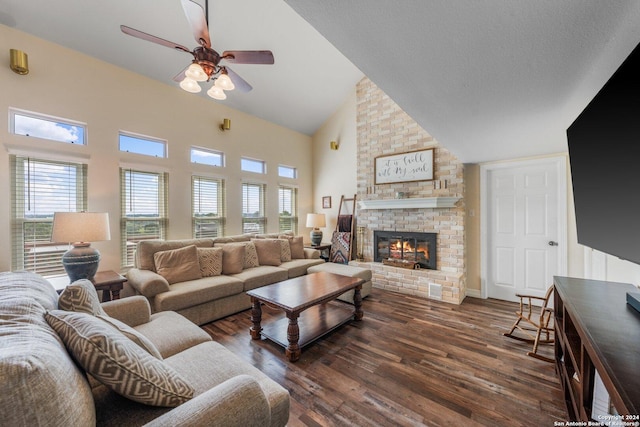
[190,85]
[224,82]
[217,93]
[195,72]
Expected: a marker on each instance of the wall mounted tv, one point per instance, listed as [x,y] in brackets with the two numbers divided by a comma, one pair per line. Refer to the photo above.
[604,152]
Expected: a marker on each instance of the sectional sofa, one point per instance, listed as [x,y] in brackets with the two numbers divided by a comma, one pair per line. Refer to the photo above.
[70,361]
[207,279]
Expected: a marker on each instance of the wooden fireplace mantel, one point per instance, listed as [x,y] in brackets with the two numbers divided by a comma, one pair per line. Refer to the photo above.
[410,203]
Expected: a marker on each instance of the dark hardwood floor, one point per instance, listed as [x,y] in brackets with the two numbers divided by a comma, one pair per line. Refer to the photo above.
[409,362]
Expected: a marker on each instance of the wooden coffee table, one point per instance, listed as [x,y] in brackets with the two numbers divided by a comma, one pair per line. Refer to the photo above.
[304,300]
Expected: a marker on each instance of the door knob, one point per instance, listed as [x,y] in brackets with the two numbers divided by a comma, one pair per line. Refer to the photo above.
[552,243]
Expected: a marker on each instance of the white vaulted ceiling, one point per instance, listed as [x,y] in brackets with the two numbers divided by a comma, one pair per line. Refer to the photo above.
[489,79]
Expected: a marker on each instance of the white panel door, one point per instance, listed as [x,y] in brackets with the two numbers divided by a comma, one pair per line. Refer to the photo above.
[524,229]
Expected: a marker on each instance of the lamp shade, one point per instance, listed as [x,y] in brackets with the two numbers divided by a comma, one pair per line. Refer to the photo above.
[315,220]
[70,227]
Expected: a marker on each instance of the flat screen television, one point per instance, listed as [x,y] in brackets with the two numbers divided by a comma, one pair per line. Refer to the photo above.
[604,153]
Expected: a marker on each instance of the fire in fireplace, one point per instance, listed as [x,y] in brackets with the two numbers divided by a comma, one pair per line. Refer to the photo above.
[409,246]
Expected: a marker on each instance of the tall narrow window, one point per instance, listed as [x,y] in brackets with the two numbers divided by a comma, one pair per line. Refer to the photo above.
[143,209]
[38,189]
[253,209]
[208,207]
[288,210]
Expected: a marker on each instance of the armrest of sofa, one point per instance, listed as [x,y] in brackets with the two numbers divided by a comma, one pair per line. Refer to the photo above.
[310,253]
[147,282]
[133,310]
[239,401]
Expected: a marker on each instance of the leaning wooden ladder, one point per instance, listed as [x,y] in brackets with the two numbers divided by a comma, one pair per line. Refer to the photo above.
[342,247]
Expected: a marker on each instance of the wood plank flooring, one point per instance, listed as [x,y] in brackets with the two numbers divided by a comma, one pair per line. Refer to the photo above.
[409,362]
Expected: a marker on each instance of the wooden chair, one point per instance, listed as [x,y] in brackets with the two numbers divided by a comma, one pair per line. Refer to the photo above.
[536,323]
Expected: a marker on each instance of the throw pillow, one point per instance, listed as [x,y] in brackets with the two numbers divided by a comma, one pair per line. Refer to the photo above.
[210,260]
[296,244]
[178,265]
[117,362]
[232,259]
[268,251]
[133,335]
[250,254]
[81,296]
[285,250]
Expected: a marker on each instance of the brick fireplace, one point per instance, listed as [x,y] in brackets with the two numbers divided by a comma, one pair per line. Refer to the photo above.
[383,128]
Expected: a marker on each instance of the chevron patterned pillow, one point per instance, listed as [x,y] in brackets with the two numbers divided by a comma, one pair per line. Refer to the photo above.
[81,296]
[116,361]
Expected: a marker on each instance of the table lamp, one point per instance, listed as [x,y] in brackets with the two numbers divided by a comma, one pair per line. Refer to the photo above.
[316,221]
[79,229]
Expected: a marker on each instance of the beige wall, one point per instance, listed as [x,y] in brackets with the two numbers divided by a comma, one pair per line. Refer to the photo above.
[472,223]
[109,99]
[335,171]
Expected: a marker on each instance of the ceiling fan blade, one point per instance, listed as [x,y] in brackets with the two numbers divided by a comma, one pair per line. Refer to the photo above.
[181,75]
[248,56]
[144,36]
[198,22]
[238,81]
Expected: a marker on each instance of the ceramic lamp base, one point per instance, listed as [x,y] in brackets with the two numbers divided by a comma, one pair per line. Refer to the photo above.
[316,237]
[81,262]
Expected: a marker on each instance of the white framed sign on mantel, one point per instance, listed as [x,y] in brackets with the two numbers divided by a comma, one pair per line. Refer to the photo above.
[405,167]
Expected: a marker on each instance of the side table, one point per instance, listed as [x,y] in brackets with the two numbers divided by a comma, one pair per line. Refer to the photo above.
[323,248]
[108,281]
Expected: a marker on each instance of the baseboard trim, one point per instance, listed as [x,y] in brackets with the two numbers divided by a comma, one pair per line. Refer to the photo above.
[474,293]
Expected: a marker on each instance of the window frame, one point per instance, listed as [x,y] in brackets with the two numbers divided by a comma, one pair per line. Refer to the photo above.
[291,168]
[210,151]
[152,139]
[255,161]
[128,241]
[44,256]
[13,112]
[259,221]
[293,217]
[220,219]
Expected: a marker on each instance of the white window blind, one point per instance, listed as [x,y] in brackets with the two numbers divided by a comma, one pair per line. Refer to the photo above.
[208,210]
[253,208]
[288,210]
[143,209]
[38,189]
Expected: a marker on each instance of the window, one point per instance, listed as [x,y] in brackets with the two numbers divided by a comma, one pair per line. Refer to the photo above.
[143,209]
[288,209]
[253,209]
[207,157]
[251,165]
[287,172]
[208,207]
[38,189]
[47,127]
[145,145]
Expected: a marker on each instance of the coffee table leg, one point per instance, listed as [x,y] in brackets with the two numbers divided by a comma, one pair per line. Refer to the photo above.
[292,352]
[357,303]
[256,318]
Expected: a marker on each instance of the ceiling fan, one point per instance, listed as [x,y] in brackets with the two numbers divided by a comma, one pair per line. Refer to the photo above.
[206,61]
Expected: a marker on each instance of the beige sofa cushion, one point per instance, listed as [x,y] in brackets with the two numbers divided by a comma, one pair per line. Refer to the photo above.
[195,292]
[81,296]
[178,265]
[296,245]
[232,258]
[147,248]
[210,260]
[269,251]
[133,335]
[250,253]
[117,362]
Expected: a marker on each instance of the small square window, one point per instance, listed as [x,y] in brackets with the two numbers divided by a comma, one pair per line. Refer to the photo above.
[287,172]
[207,157]
[47,127]
[148,146]
[251,165]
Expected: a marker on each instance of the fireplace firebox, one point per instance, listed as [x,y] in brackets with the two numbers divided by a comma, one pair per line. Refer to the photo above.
[410,246]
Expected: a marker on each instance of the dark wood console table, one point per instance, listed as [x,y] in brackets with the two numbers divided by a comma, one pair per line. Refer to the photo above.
[596,331]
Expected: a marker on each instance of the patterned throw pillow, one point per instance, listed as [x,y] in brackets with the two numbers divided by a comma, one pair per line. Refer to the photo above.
[178,265]
[133,335]
[285,250]
[81,296]
[118,362]
[210,260]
